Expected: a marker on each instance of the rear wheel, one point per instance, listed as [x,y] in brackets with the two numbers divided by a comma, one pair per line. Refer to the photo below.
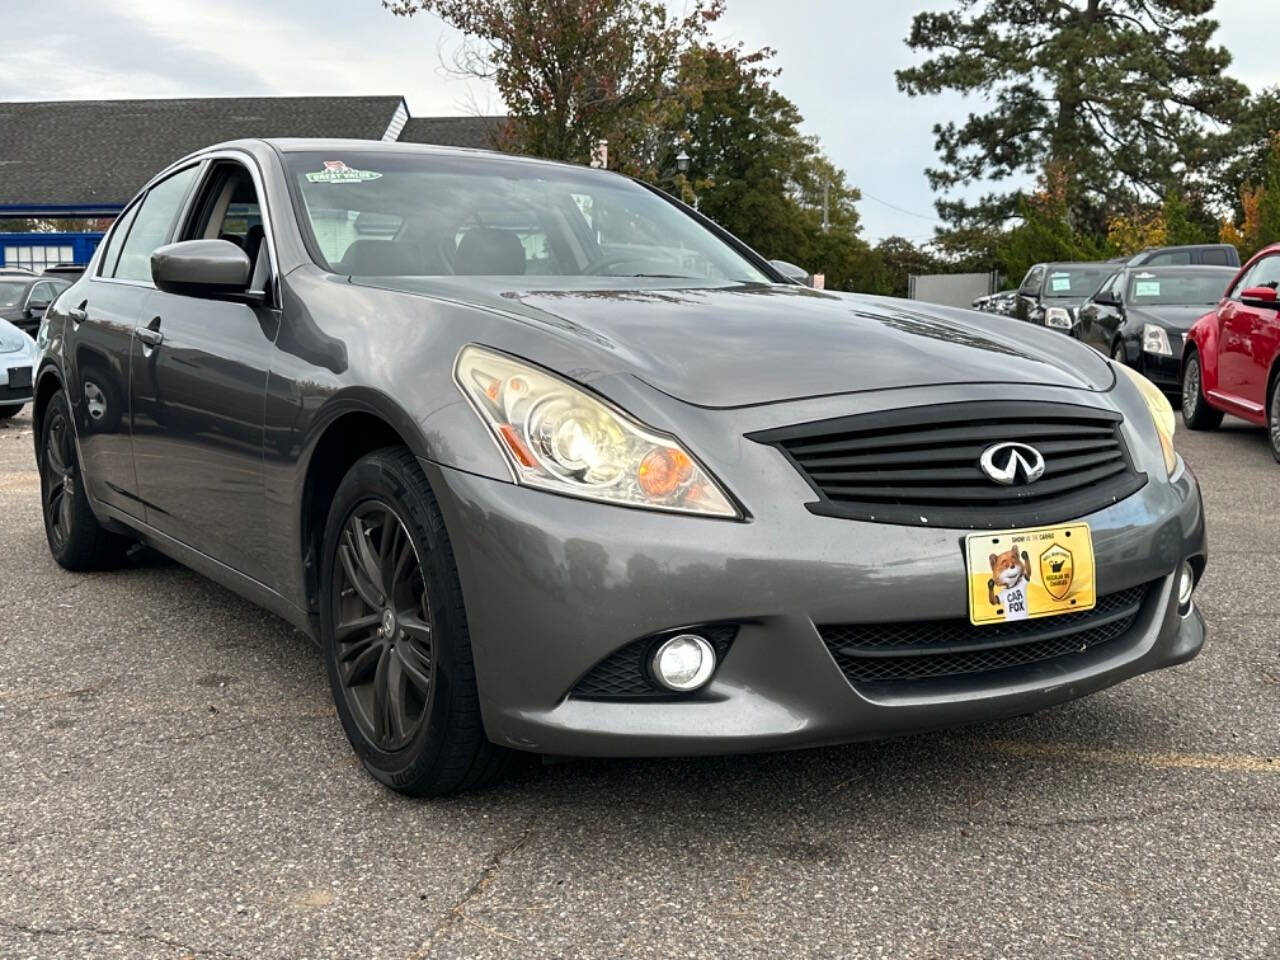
[76,539]
[394,633]
[1196,412]
[1273,418]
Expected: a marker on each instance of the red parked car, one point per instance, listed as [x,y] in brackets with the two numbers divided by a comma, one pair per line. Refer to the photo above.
[1231,360]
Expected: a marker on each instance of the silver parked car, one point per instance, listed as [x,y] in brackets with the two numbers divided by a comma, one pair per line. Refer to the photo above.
[548,462]
[17,357]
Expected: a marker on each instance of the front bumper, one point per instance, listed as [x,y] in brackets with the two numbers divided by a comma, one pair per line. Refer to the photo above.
[553,585]
[20,389]
[1165,372]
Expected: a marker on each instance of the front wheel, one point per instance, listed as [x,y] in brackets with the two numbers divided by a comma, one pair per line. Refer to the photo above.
[1196,412]
[394,633]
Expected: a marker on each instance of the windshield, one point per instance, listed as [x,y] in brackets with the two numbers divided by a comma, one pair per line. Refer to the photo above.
[11,292]
[400,214]
[1075,281]
[1147,288]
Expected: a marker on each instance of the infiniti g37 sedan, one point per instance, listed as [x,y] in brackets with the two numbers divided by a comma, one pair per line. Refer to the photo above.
[548,462]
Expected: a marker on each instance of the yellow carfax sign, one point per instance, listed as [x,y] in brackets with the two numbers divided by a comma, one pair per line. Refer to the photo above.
[1024,574]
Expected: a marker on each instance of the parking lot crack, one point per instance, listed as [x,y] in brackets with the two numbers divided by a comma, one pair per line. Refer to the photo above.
[457,914]
[71,930]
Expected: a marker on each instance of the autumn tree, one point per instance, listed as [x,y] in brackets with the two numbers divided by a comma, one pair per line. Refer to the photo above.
[571,72]
[1118,94]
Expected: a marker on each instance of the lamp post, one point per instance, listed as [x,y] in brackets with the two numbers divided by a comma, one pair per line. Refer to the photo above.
[683,161]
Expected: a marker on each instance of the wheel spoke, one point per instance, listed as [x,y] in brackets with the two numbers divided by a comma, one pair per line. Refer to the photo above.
[380,696]
[416,662]
[345,630]
[64,513]
[350,563]
[359,661]
[358,537]
[416,628]
[398,721]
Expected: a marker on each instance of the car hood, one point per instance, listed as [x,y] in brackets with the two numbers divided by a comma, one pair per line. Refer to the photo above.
[1173,317]
[12,339]
[755,344]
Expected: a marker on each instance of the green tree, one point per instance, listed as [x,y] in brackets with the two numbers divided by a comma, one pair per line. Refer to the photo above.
[571,72]
[1115,93]
[750,168]
[1045,232]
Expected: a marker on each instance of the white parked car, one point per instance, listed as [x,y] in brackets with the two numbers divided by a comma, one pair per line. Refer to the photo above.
[17,355]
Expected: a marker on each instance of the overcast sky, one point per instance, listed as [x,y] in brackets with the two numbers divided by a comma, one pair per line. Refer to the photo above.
[837,60]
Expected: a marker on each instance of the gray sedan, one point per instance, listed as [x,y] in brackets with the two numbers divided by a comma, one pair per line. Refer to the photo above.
[549,463]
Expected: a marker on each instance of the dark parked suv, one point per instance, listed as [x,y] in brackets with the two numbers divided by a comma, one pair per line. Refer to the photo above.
[1051,293]
[1193,254]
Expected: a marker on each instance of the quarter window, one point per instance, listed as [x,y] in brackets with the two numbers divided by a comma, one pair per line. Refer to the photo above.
[152,226]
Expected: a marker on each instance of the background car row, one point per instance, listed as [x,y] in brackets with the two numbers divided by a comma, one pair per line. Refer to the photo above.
[1190,319]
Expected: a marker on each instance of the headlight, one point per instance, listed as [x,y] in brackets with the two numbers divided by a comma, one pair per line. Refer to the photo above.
[559,437]
[1058,318]
[1161,413]
[1155,340]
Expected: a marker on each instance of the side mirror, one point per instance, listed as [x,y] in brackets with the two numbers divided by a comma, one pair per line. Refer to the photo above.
[36,308]
[792,273]
[201,268]
[1259,296]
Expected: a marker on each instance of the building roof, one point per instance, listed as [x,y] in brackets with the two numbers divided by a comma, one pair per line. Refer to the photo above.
[479,132]
[79,156]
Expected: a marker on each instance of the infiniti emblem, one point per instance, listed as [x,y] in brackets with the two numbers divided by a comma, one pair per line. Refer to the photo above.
[1009,463]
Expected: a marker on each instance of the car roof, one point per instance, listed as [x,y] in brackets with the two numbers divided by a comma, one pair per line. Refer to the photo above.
[1203,269]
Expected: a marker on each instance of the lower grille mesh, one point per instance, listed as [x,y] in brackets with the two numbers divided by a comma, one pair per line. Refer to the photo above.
[880,652]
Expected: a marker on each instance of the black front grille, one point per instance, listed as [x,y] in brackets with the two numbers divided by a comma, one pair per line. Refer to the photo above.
[920,465]
[922,650]
[624,674]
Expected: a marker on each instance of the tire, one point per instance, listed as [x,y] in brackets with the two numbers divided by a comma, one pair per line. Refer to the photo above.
[76,539]
[9,412]
[388,571]
[1196,412]
[1273,418]
[1119,354]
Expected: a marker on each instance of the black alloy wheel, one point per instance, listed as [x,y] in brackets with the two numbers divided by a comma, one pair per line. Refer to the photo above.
[393,629]
[382,626]
[59,479]
[76,539]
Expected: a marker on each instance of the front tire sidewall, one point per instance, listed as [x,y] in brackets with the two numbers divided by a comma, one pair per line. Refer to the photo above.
[383,478]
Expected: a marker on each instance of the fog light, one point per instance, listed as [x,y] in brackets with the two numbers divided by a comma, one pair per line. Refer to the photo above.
[1186,584]
[683,663]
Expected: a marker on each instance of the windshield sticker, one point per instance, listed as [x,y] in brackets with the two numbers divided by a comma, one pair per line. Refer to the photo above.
[1146,288]
[337,171]
[1059,284]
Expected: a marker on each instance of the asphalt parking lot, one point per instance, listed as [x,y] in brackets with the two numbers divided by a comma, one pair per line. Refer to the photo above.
[175,784]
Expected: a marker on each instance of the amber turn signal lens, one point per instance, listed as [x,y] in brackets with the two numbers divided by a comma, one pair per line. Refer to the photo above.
[663,471]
